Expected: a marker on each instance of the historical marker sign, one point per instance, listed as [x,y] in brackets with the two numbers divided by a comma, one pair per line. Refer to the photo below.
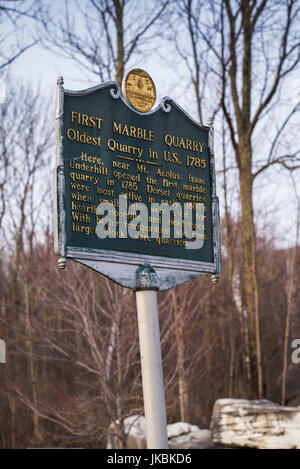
[110,153]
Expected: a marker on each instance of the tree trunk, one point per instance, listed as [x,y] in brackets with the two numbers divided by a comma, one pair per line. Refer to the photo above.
[182,385]
[120,42]
[31,370]
[289,311]
[250,286]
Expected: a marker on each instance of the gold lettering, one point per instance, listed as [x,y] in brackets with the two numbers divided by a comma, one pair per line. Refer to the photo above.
[134,132]
[99,120]
[183,142]
[117,128]
[73,115]
[157,191]
[86,120]
[83,229]
[190,197]
[120,165]
[83,137]
[125,130]
[92,122]
[196,180]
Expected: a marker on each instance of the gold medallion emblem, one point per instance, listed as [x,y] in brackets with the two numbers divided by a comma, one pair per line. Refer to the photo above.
[139,90]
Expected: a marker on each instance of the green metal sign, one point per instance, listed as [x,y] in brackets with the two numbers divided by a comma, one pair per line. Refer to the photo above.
[110,155]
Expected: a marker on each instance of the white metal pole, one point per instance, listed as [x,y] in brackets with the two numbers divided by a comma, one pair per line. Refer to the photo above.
[152,374]
[2,351]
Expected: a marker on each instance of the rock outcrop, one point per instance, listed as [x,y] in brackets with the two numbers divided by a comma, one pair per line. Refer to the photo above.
[181,435]
[255,424]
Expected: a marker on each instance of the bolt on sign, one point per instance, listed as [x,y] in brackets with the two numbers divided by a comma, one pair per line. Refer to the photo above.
[134,185]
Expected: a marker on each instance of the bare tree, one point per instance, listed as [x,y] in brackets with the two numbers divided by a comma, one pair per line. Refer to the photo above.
[104,36]
[240,35]
[26,138]
[25,142]
[290,298]
[194,53]
[16,19]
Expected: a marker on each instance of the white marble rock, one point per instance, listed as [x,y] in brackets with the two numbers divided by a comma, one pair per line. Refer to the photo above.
[181,435]
[258,424]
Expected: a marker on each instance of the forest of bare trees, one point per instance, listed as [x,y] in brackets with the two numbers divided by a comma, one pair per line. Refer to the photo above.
[72,352]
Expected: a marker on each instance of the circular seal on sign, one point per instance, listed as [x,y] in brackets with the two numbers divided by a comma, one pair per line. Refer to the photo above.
[139,90]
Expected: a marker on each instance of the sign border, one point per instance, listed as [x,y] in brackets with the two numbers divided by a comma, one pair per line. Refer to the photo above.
[106,261]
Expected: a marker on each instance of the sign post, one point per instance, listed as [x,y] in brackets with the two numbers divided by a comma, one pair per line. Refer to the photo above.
[151,362]
[2,351]
[135,199]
